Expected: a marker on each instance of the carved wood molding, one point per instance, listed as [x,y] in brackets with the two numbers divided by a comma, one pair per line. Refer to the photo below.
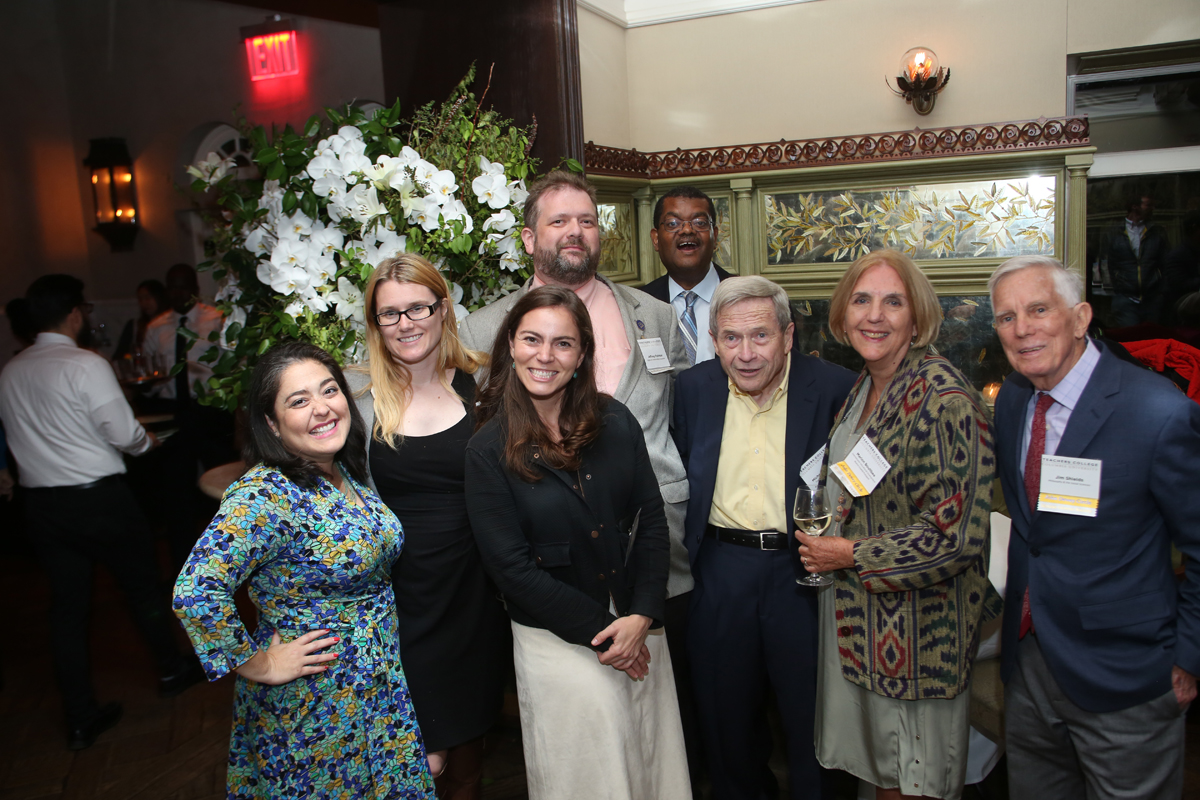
[1039,134]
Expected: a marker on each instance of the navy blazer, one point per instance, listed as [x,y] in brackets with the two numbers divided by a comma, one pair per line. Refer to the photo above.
[816,390]
[1110,617]
[657,288]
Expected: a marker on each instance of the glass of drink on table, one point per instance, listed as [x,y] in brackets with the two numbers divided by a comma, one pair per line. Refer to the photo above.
[812,513]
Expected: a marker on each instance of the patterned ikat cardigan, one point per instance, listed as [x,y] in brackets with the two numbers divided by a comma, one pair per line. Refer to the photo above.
[909,613]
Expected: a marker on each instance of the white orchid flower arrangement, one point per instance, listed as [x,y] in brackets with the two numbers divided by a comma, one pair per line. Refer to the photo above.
[293,248]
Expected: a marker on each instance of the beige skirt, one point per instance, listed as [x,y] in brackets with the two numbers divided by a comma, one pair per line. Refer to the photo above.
[589,731]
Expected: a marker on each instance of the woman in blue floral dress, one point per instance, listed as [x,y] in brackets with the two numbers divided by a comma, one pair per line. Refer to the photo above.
[321,708]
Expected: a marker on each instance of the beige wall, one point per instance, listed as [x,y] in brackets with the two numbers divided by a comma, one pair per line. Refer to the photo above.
[605,80]
[817,69]
[1113,24]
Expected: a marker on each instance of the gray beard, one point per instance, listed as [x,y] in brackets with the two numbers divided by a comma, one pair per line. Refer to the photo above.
[553,267]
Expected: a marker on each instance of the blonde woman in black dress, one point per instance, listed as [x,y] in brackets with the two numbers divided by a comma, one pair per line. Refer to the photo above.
[418,402]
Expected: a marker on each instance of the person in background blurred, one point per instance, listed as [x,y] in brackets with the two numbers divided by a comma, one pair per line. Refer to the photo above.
[321,707]
[418,404]
[68,425]
[152,301]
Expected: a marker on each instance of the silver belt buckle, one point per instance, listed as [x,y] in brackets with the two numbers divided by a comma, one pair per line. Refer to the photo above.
[762,540]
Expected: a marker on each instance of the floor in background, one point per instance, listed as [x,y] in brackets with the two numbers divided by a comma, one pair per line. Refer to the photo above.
[175,749]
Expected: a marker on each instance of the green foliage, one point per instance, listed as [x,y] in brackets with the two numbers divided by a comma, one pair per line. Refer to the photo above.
[249,213]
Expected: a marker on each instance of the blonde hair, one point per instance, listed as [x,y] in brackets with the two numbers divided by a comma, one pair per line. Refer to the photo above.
[391,381]
[927,311]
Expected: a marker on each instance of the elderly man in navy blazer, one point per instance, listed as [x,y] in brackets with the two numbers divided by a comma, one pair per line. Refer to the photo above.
[744,425]
[1100,642]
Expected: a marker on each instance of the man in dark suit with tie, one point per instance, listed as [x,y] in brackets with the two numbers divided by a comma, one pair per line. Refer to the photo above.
[684,236]
[1100,642]
[744,425]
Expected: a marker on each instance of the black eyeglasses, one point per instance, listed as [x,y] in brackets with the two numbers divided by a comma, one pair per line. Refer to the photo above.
[417,313]
[698,224]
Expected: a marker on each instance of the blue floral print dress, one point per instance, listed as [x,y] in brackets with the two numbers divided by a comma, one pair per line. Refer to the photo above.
[314,561]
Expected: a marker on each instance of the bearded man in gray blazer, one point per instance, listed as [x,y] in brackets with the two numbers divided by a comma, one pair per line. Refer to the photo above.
[562,233]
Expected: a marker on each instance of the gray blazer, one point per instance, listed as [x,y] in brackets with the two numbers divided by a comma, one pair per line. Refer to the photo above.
[648,397]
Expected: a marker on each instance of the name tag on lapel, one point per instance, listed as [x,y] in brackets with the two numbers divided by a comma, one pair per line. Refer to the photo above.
[1070,486]
[655,355]
[810,471]
[863,468]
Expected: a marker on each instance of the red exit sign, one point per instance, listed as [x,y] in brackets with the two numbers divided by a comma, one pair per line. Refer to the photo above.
[272,55]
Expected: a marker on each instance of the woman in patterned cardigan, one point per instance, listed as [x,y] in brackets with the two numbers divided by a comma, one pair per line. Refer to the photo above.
[899,626]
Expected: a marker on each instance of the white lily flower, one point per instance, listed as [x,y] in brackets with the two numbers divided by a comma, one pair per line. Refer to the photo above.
[408,157]
[363,203]
[314,301]
[425,213]
[519,194]
[327,240]
[510,263]
[295,308]
[291,253]
[379,172]
[423,171]
[501,221]
[491,190]
[322,166]
[263,272]
[350,133]
[348,301]
[320,271]
[455,210]
[260,242]
[491,167]
[442,185]
[212,168]
[390,244]
[289,280]
[297,225]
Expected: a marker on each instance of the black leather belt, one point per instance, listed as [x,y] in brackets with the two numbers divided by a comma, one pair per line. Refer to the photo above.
[759,540]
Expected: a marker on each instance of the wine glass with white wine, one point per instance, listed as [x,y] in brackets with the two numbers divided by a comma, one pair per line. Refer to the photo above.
[811,513]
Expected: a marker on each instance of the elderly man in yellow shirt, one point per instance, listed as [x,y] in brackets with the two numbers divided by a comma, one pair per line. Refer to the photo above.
[744,425]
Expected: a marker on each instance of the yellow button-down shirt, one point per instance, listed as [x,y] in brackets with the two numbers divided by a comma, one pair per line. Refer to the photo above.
[750,475]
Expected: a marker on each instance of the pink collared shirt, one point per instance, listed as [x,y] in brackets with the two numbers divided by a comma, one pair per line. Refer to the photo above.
[612,345]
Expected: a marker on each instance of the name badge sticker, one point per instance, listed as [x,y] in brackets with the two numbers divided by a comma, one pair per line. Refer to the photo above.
[810,471]
[863,468]
[655,355]
[1070,486]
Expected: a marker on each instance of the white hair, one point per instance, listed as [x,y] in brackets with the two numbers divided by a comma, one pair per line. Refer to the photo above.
[1067,284]
[748,287]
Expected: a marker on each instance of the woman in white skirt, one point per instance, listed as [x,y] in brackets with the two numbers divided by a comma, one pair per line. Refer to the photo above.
[568,517]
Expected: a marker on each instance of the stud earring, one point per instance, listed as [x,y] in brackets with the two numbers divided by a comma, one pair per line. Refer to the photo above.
[514,365]
[574,374]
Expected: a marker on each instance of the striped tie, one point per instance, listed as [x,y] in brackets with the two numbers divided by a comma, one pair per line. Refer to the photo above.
[687,324]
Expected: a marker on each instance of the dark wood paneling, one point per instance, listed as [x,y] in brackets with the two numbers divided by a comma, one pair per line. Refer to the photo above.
[352,12]
[534,44]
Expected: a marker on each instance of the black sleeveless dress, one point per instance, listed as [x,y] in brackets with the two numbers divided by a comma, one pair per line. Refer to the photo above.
[455,643]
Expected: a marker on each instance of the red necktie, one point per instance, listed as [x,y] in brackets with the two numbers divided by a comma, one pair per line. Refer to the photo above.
[1033,480]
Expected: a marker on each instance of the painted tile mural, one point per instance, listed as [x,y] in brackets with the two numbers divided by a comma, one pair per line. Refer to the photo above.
[617,246]
[967,338]
[723,252]
[968,219]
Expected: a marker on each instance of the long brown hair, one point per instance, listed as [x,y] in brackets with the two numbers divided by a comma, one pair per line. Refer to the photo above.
[504,396]
[390,380]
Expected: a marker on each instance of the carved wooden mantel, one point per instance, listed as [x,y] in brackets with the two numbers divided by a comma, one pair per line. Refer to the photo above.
[1032,135]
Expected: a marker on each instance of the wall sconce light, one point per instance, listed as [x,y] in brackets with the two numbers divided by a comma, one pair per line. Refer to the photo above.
[114,192]
[921,78]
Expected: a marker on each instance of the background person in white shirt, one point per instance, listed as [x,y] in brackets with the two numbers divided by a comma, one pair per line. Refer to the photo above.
[684,236]
[68,424]
[205,436]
